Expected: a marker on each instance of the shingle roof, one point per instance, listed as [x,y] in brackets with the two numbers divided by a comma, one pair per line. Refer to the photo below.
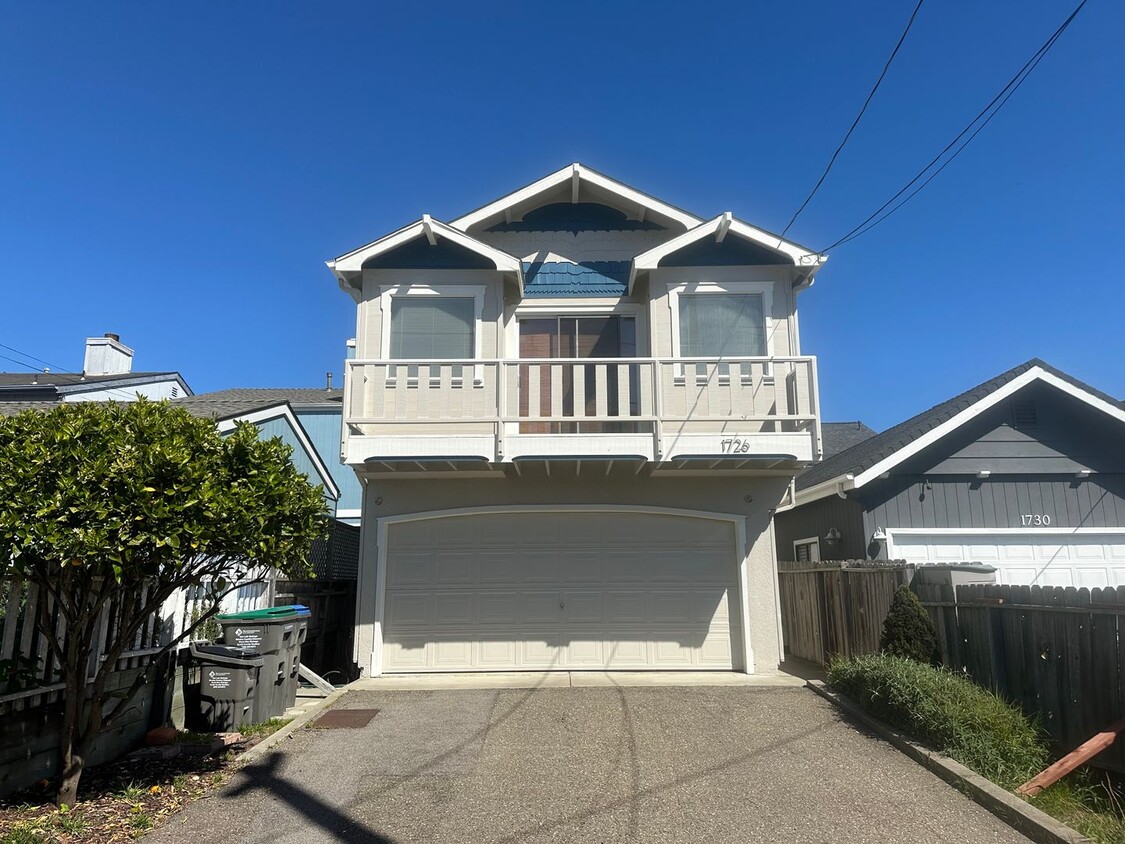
[590,278]
[11,408]
[840,436]
[223,404]
[867,453]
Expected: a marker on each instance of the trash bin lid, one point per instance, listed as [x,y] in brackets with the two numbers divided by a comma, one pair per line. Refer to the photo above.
[266,615]
[223,652]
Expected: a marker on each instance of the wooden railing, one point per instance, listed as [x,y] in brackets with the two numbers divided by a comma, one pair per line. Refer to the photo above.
[580,395]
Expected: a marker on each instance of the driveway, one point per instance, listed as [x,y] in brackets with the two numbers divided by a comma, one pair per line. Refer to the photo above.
[684,764]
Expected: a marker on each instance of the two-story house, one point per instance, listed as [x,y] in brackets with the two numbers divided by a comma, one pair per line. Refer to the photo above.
[573,412]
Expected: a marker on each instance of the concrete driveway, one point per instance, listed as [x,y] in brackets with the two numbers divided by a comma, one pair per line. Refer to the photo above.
[687,764]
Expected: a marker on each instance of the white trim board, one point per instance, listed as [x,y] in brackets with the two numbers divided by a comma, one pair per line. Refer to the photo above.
[285,411]
[1035,373]
[738,522]
[576,175]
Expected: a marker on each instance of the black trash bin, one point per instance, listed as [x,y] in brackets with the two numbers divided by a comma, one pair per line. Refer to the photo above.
[275,633]
[228,686]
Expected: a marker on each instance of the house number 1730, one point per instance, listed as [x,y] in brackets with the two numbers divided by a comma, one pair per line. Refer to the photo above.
[1035,520]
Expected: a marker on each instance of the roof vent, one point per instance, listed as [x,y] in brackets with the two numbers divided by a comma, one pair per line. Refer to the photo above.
[1024,414]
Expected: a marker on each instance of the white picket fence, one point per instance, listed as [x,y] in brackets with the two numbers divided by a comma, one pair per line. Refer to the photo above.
[29,671]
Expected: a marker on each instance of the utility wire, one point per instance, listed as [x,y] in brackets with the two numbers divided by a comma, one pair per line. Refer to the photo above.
[858,117]
[986,114]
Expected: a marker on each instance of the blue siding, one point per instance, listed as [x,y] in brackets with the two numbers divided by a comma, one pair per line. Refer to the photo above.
[280,427]
[591,278]
[575,217]
[323,428]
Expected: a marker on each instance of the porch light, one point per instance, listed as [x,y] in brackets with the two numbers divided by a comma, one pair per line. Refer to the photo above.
[879,535]
[832,537]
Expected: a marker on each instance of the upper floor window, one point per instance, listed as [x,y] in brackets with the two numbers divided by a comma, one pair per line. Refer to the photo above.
[431,322]
[432,328]
[722,325]
[721,319]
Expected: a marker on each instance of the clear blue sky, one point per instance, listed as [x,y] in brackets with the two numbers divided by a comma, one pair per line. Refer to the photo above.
[178,173]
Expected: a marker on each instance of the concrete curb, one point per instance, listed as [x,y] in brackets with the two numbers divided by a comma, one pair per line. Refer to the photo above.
[270,742]
[1013,810]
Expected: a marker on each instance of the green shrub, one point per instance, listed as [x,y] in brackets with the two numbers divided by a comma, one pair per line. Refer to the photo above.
[908,631]
[946,712]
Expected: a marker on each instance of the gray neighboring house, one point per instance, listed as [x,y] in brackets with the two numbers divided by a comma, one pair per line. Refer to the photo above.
[107,375]
[1025,472]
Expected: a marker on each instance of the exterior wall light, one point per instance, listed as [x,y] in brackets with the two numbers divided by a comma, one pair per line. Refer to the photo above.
[832,537]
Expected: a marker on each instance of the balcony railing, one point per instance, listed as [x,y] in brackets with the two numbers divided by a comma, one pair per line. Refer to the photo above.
[501,409]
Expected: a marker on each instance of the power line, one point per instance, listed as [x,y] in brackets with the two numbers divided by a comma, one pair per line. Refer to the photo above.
[990,110]
[858,117]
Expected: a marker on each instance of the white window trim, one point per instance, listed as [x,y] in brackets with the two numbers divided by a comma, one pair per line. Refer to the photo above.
[475,292]
[694,288]
[809,540]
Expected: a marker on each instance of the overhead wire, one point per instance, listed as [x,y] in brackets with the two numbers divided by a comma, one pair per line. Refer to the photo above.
[983,117]
[65,377]
[858,117]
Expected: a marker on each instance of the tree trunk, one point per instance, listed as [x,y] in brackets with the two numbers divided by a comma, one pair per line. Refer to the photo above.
[70,752]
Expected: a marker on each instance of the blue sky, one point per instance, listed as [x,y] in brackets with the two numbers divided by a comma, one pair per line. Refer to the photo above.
[178,173]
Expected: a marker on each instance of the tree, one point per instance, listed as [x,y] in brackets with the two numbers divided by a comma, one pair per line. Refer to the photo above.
[908,631]
[108,509]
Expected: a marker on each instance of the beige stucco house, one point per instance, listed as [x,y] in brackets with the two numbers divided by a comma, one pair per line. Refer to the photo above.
[573,412]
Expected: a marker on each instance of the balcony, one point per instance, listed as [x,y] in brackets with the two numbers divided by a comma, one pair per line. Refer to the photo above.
[728,413]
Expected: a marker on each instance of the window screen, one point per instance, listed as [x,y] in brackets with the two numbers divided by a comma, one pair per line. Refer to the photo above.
[722,324]
[432,328]
[807,552]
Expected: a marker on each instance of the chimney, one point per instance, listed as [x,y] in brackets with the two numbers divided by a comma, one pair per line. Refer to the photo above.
[107,356]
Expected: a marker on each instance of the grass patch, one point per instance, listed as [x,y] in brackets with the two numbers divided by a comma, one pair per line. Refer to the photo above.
[190,737]
[28,832]
[981,731]
[946,712]
[264,728]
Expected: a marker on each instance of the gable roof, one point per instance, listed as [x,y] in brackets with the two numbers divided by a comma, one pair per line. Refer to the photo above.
[576,176]
[348,267]
[721,227]
[856,466]
[222,404]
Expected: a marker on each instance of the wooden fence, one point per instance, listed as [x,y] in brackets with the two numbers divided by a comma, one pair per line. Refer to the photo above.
[1056,652]
[836,608]
[29,671]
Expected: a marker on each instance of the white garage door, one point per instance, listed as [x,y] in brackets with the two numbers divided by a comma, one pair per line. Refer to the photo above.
[566,591]
[1032,558]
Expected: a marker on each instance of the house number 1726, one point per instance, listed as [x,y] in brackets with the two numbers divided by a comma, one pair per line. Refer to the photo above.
[735,445]
[1035,520]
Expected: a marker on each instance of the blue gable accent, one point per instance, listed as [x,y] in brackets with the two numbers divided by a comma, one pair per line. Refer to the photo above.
[417,254]
[279,427]
[576,217]
[592,278]
[733,251]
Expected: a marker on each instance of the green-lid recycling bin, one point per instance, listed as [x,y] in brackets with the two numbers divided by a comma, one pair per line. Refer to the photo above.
[228,686]
[276,633]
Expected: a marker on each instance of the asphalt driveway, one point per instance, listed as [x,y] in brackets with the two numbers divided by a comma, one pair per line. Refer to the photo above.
[737,764]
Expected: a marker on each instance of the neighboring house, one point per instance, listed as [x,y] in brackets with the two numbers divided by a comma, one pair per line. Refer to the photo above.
[1025,472]
[318,414]
[106,376]
[573,411]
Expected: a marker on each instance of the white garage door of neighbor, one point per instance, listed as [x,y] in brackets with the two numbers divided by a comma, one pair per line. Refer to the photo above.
[1034,558]
[565,591]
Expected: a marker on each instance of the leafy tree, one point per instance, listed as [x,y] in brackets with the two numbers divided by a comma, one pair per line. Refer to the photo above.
[108,509]
[908,631]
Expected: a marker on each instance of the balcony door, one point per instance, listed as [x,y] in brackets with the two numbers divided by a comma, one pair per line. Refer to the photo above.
[585,337]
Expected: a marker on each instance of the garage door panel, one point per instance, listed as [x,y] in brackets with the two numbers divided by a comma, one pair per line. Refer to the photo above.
[497,607]
[554,591]
[1044,558]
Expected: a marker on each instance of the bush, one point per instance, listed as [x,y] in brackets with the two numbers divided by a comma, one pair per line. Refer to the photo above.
[946,712]
[908,631]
